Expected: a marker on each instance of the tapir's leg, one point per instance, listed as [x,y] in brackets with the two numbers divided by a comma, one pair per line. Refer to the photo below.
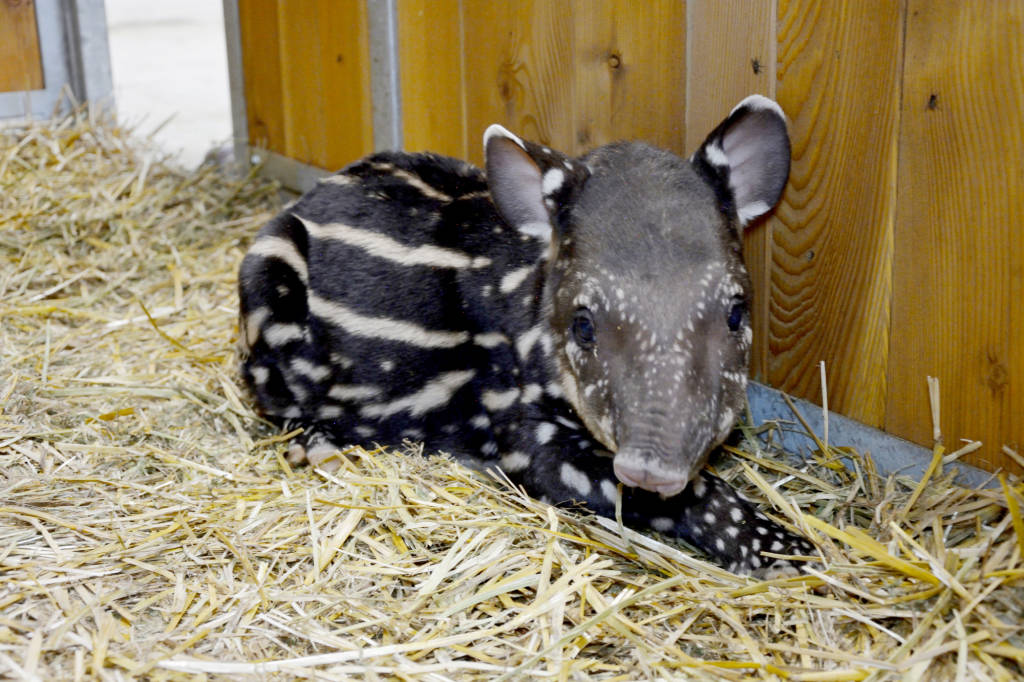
[708,514]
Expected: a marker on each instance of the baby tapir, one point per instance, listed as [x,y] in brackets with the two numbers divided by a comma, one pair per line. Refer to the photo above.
[576,321]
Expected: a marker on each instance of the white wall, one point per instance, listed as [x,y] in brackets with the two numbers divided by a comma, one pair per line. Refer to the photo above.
[168,59]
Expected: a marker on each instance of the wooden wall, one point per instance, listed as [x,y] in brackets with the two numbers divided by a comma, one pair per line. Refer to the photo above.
[897,250]
[21,64]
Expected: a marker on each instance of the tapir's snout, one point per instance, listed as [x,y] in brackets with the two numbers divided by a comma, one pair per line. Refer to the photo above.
[640,469]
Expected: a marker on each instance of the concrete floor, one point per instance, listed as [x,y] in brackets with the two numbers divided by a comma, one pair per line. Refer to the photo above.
[170,72]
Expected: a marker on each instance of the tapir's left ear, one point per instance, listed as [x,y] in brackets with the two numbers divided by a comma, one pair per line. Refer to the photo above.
[529,183]
[748,152]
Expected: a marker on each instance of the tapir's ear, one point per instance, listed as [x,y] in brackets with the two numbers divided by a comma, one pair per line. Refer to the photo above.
[529,183]
[749,153]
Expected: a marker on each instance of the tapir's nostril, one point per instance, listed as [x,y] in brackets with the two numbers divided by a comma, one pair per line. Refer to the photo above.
[639,474]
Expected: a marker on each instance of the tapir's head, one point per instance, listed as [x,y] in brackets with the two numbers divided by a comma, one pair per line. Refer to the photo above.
[646,290]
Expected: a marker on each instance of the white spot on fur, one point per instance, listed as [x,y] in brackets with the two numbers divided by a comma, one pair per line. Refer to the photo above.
[515,461]
[495,401]
[552,181]
[575,479]
[260,375]
[545,432]
[329,412]
[490,339]
[662,523]
[714,154]
[531,393]
[609,490]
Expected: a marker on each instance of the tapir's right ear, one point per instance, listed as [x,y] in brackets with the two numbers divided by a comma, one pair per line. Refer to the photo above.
[528,182]
[748,156]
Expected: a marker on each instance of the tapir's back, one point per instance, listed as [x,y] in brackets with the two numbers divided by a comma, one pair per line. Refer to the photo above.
[376,301]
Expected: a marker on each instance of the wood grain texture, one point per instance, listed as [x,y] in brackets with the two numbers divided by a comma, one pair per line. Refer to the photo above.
[325,81]
[731,54]
[831,252]
[519,70]
[21,64]
[261,64]
[630,73]
[431,75]
[576,75]
[959,248]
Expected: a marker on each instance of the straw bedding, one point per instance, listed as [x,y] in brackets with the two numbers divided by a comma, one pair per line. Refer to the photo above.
[151,527]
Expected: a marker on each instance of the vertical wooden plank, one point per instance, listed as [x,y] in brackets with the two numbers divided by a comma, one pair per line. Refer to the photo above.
[431,77]
[959,254]
[630,73]
[261,63]
[21,64]
[838,80]
[731,54]
[519,70]
[325,79]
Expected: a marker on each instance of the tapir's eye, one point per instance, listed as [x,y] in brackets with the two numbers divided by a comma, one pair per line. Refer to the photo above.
[583,328]
[736,313]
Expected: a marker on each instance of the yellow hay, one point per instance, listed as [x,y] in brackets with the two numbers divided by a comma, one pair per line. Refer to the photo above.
[150,525]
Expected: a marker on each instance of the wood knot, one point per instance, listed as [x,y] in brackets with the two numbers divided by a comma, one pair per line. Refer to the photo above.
[614,60]
[996,376]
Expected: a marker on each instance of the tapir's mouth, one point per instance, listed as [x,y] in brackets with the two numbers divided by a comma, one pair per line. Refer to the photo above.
[638,473]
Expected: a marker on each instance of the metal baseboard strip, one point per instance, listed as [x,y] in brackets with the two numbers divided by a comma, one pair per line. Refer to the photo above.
[890,453]
[294,175]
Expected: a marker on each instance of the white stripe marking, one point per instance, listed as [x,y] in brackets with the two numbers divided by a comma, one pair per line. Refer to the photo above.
[382,327]
[252,324]
[526,341]
[433,395]
[381,246]
[511,281]
[353,392]
[308,369]
[280,334]
[283,250]
[413,180]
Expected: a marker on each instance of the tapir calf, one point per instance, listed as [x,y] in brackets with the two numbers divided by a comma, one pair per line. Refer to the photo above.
[577,322]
